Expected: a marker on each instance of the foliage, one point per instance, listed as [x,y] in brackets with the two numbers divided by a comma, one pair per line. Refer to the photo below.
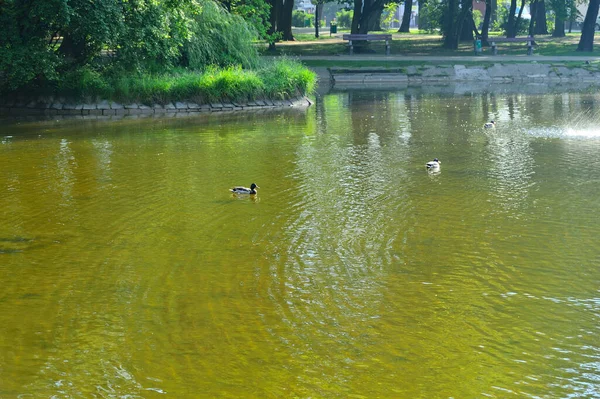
[387,17]
[26,27]
[286,78]
[255,12]
[477,18]
[281,79]
[432,12]
[151,36]
[299,18]
[501,23]
[330,9]
[219,38]
[550,24]
[43,41]
[344,18]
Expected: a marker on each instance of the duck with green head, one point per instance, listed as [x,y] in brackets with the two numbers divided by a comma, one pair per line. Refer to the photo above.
[245,190]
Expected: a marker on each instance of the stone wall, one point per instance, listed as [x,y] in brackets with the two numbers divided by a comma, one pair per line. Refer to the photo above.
[63,107]
[532,72]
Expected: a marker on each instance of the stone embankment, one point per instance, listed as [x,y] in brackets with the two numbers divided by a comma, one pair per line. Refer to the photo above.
[533,72]
[64,107]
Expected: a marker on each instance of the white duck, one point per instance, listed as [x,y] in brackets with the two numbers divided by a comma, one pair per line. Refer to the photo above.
[489,125]
[433,165]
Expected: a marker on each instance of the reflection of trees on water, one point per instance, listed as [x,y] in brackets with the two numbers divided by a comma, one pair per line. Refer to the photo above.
[342,229]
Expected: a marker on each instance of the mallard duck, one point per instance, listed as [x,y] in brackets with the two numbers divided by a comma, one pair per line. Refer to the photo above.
[435,164]
[245,190]
[490,125]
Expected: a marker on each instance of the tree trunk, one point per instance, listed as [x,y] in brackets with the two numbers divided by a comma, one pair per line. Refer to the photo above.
[467,30]
[284,24]
[375,19]
[317,16]
[586,42]
[356,17]
[405,26]
[559,27]
[422,22]
[518,19]
[456,22]
[541,27]
[510,28]
[532,12]
[466,25]
[273,16]
[367,16]
[560,13]
[485,28]
[449,26]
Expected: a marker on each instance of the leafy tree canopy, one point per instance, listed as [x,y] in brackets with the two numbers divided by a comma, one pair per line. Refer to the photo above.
[41,40]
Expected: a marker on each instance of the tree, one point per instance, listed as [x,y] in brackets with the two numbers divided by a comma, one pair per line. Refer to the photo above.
[405,26]
[281,20]
[485,28]
[139,35]
[560,15]
[318,11]
[457,16]
[586,41]
[538,17]
[255,12]
[511,24]
[375,22]
[366,12]
[218,38]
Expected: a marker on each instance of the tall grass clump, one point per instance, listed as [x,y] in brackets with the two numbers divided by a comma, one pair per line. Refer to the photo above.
[276,80]
[286,79]
[219,38]
[213,85]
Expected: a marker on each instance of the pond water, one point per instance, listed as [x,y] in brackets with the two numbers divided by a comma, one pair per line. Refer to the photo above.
[129,270]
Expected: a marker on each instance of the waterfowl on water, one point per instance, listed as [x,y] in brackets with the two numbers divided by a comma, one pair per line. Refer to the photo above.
[490,125]
[435,164]
[245,190]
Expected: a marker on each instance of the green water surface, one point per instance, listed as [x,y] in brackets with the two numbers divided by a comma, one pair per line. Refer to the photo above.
[128,270]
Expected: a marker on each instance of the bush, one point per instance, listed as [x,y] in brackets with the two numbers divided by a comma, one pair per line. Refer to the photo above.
[286,79]
[344,18]
[281,79]
[299,18]
[431,16]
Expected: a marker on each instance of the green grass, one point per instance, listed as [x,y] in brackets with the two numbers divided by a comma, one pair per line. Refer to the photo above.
[424,44]
[282,79]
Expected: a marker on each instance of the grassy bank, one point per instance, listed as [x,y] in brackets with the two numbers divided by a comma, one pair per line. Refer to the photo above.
[282,79]
[427,45]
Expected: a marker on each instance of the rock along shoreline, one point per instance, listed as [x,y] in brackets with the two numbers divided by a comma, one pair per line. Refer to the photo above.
[50,106]
[533,72]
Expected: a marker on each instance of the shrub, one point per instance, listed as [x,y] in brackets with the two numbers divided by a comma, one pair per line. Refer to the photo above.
[430,16]
[344,18]
[299,18]
[286,79]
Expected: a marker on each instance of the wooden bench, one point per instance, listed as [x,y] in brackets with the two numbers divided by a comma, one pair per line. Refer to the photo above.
[367,37]
[529,40]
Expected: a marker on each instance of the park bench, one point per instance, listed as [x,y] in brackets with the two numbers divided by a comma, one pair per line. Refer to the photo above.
[367,37]
[529,40]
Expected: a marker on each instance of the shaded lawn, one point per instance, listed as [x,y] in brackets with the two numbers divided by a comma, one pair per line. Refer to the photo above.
[425,44]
